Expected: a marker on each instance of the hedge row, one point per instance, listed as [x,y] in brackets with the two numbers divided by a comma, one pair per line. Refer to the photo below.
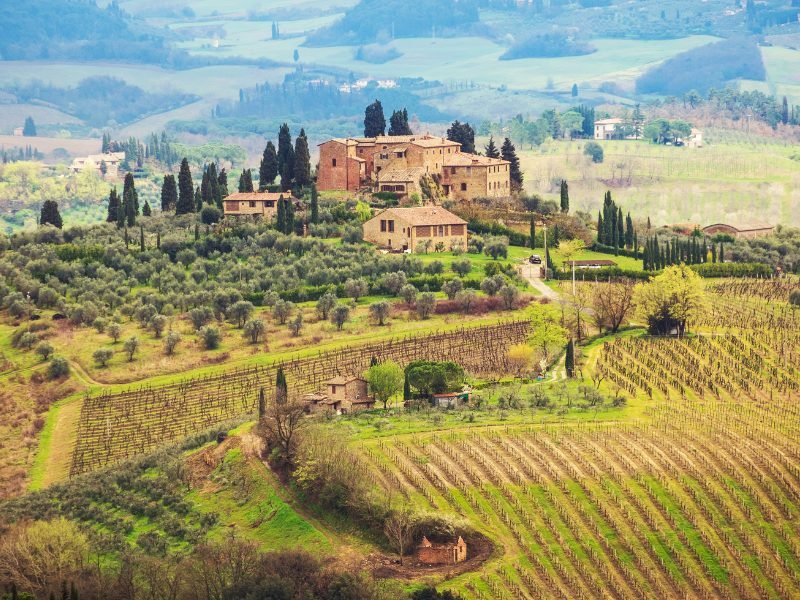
[603,249]
[515,238]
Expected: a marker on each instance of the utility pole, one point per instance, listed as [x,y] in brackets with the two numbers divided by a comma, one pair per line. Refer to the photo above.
[573,277]
[545,252]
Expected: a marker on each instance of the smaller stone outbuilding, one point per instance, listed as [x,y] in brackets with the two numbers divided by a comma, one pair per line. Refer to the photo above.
[342,395]
[256,204]
[441,554]
[404,229]
[749,231]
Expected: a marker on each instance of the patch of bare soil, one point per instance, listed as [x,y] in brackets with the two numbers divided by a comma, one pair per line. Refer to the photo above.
[479,550]
[201,464]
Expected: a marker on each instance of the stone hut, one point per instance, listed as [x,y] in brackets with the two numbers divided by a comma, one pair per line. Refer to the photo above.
[442,554]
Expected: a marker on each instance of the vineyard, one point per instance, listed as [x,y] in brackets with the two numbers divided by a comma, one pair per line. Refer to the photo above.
[702,502]
[699,498]
[113,427]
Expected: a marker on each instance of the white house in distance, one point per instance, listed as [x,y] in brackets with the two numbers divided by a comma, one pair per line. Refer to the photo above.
[604,129]
[94,161]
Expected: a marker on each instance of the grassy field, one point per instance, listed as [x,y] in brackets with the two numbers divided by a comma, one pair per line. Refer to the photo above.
[731,181]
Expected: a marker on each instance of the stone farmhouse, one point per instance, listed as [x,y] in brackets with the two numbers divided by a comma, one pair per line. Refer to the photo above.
[405,229]
[112,161]
[255,204]
[442,554]
[397,163]
[342,395]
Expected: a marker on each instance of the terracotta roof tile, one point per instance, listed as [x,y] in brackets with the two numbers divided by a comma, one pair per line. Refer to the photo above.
[260,196]
[424,215]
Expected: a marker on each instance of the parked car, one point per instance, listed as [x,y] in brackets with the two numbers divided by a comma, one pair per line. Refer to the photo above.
[535,259]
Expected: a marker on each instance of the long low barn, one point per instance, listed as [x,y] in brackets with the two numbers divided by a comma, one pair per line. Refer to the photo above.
[263,204]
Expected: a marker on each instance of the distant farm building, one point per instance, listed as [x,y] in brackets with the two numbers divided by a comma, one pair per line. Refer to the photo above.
[342,395]
[442,554]
[19,131]
[405,228]
[99,162]
[743,231]
[589,264]
[255,204]
[606,129]
[397,164]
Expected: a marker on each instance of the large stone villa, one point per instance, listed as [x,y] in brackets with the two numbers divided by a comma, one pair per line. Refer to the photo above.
[397,163]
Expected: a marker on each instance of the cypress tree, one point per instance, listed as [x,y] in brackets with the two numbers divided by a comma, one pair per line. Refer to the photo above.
[491,149]
[289,216]
[564,196]
[29,129]
[50,215]
[314,204]
[206,195]
[268,170]
[242,182]
[222,183]
[285,157]
[374,120]
[262,404]
[464,134]
[213,183]
[113,206]
[158,240]
[302,161]
[620,229]
[398,123]
[629,233]
[646,258]
[721,252]
[73,592]
[635,246]
[141,238]
[146,210]
[280,217]
[509,153]
[281,388]
[185,202]
[713,253]
[556,236]
[533,232]
[169,193]
[248,181]
[406,389]
[569,361]
[601,229]
[198,199]
[130,202]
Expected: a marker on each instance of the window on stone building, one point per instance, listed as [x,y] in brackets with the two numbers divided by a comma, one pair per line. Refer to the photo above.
[383,225]
[463,187]
[333,162]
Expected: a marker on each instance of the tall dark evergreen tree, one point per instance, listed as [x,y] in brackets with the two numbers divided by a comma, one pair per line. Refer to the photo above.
[281,387]
[246,181]
[620,229]
[222,184]
[464,134]
[491,149]
[268,170]
[206,194]
[785,111]
[280,216]
[29,129]
[533,232]
[141,238]
[569,361]
[509,153]
[398,123]
[629,233]
[374,120]
[314,204]
[185,202]
[169,193]
[601,229]
[302,161]
[49,214]
[130,201]
[564,196]
[285,157]
[198,199]
[113,206]
[146,210]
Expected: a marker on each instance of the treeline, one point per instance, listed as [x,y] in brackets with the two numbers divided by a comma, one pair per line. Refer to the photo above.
[576,122]
[158,148]
[17,154]
[548,45]
[370,20]
[304,100]
[704,68]
[101,100]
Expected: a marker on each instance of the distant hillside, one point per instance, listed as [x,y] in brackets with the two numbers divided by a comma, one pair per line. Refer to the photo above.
[74,29]
[372,20]
[706,67]
[548,45]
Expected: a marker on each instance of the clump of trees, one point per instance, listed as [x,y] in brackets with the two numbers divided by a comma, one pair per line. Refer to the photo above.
[671,301]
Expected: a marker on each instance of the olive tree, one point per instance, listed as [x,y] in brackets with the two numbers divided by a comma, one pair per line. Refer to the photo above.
[340,315]
[211,337]
[385,380]
[409,294]
[425,305]
[254,329]
[130,347]
[509,293]
[241,312]
[325,304]
[102,356]
[380,311]
[355,288]
[282,311]
[452,287]
[171,342]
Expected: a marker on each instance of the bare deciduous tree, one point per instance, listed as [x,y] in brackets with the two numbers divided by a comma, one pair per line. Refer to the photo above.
[400,528]
[612,303]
